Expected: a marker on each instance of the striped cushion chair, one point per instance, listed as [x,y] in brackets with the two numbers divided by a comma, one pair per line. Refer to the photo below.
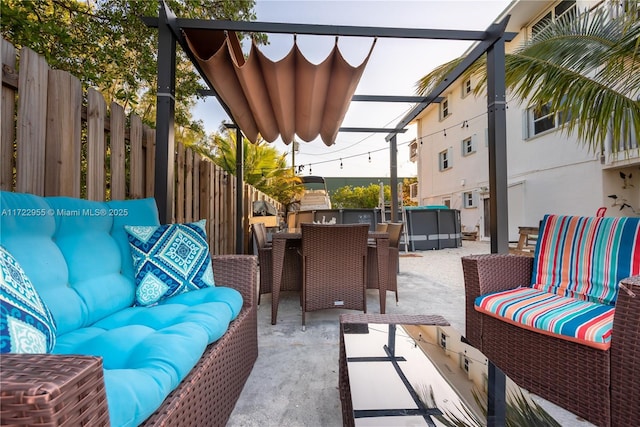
[556,323]
[578,264]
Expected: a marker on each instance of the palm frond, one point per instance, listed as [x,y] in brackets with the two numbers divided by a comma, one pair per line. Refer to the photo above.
[586,66]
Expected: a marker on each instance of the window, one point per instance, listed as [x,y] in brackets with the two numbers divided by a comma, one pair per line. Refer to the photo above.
[444,160]
[464,363]
[447,203]
[413,191]
[466,88]
[468,146]
[469,199]
[541,119]
[443,339]
[564,8]
[444,108]
[413,151]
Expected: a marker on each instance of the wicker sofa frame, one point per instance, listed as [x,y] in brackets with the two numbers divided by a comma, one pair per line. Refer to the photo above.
[53,390]
[600,386]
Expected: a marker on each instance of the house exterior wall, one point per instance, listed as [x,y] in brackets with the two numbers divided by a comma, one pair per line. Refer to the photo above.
[552,172]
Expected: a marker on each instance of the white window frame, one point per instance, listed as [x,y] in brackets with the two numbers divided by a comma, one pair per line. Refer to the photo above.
[552,14]
[413,151]
[469,200]
[413,191]
[465,364]
[466,88]
[442,339]
[445,107]
[468,146]
[535,116]
[444,160]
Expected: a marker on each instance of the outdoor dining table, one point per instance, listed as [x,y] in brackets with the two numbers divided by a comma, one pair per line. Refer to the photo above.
[279,242]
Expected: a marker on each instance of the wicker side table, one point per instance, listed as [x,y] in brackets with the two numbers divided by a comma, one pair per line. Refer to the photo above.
[52,390]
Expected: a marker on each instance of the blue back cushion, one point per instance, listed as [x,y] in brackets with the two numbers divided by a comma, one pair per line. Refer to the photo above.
[72,250]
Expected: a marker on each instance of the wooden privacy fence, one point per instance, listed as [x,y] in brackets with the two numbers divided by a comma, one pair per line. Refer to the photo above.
[56,141]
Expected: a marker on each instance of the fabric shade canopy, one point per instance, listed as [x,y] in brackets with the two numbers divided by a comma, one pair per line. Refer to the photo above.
[283,98]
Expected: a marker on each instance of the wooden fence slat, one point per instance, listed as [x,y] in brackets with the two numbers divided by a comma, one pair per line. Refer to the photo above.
[196,187]
[136,162]
[179,207]
[217,185]
[96,115]
[188,186]
[118,175]
[63,149]
[229,216]
[247,207]
[7,123]
[150,156]
[31,129]
[205,197]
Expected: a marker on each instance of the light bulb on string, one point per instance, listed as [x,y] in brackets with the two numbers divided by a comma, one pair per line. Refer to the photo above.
[340,163]
[445,133]
[369,157]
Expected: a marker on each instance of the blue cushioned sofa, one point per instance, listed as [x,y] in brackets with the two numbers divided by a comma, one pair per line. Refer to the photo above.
[566,323]
[182,361]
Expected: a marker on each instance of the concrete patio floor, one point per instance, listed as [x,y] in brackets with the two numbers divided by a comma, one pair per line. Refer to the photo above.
[295,379]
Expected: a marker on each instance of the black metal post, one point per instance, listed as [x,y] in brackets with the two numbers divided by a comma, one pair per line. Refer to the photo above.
[165,115]
[239,192]
[497,117]
[496,404]
[393,180]
[391,340]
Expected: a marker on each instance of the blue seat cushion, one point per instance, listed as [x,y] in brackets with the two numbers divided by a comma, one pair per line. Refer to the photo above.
[169,260]
[26,324]
[567,318]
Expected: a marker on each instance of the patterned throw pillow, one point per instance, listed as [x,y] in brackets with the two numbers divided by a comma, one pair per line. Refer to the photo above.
[169,260]
[26,325]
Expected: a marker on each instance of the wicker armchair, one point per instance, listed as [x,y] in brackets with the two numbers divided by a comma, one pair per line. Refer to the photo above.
[292,272]
[334,267]
[600,386]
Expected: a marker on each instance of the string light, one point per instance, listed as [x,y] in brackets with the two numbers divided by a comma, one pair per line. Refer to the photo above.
[463,124]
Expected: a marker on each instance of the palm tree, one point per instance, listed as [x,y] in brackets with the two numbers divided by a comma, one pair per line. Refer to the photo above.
[585,65]
[264,167]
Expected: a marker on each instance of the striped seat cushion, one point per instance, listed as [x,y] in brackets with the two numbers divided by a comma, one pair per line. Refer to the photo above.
[583,322]
[584,257]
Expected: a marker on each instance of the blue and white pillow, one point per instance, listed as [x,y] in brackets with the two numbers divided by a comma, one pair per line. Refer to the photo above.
[26,324]
[169,260]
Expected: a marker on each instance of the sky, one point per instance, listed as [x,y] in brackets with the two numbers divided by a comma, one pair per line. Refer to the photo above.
[393,69]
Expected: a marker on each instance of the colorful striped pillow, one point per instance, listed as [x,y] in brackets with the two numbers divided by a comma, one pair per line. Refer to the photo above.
[566,318]
[584,257]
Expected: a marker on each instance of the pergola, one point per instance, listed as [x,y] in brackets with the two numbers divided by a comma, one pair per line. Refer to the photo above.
[171,31]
